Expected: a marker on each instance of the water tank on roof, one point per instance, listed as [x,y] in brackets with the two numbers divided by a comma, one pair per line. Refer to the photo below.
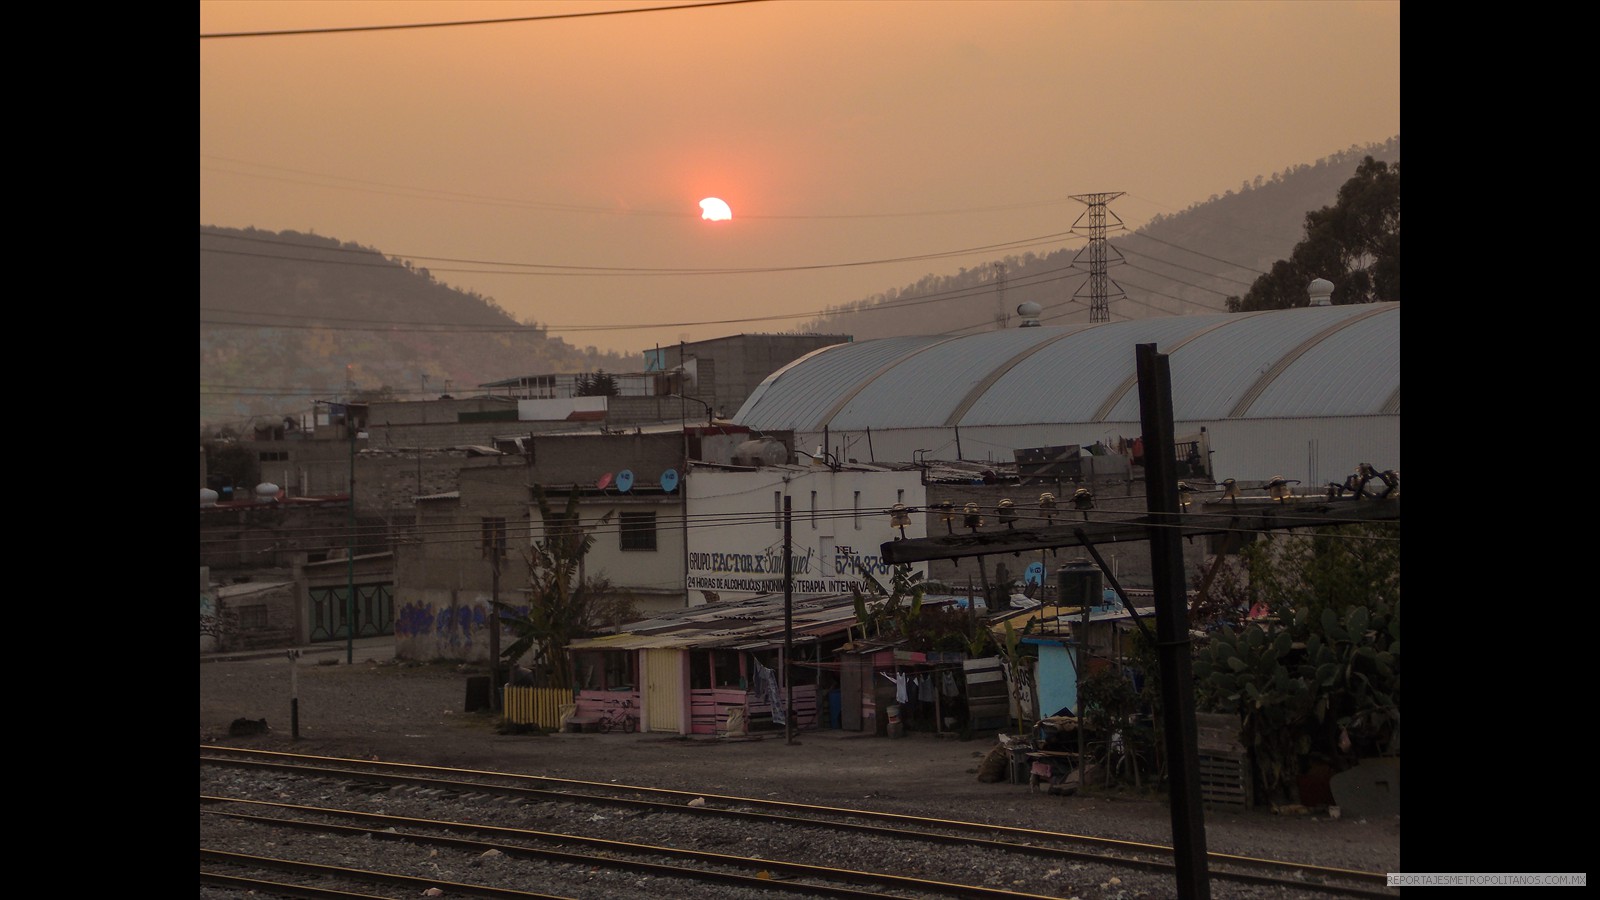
[761,452]
[208,497]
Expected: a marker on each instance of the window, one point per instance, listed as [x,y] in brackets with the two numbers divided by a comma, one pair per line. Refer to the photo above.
[813,509]
[274,455]
[777,509]
[253,616]
[638,531]
[726,669]
[603,670]
[857,509]
[494,537]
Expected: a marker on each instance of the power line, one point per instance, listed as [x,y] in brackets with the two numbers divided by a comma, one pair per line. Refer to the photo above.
[1197,253]
[570,269]
[1174,297]
[1165,262]
[378,187]
[416,25]
[468,531]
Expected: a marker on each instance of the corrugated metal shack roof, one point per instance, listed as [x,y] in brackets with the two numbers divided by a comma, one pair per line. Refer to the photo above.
[1311,361]
[752,624]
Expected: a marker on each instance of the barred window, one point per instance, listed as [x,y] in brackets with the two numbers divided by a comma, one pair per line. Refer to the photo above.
[638,531]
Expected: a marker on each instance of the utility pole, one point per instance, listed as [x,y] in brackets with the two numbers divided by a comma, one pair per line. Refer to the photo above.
[496,540]
[294,693]
[350,555]
[1097,249]
[788,625]
[1172,623]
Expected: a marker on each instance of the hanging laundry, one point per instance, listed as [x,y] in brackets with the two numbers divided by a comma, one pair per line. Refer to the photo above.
[767,688]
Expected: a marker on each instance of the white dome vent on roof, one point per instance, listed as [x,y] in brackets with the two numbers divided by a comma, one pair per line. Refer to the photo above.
[761,452]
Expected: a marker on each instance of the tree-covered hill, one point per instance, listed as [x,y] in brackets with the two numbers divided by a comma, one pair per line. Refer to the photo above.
[289,318]
[1188,262]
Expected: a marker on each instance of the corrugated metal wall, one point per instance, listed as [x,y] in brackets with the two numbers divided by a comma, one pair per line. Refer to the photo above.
[537,706]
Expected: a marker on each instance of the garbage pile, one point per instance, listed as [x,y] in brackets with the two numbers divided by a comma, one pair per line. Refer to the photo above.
[1045,758]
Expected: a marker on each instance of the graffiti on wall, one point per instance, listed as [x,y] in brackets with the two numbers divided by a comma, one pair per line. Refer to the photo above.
[449,631]
[215,628]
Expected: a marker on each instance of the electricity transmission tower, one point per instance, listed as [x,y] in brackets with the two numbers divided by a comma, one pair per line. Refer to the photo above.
[1101,288]
[1002,316]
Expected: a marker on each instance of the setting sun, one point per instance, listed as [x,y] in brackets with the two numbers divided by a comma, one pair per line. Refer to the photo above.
[715,210]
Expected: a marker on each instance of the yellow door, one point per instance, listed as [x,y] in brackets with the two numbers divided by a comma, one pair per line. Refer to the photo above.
[664,690]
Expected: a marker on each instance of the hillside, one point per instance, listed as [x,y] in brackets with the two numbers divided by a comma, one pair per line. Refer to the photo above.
[1185,263]
[282,316]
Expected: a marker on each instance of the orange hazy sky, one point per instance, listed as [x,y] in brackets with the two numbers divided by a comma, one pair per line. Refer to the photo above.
[557,166]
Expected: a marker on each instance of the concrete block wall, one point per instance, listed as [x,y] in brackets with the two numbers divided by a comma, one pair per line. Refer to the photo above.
[393,481]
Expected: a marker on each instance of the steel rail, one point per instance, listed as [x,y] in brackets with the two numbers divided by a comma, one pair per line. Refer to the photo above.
[807,870]
[678,807]
[1320,871]
[262,887]
[369,876]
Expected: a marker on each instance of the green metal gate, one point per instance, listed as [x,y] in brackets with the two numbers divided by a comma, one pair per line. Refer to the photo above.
[374,612]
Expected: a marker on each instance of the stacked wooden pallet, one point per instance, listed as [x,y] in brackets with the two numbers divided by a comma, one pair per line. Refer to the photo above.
[1225,778]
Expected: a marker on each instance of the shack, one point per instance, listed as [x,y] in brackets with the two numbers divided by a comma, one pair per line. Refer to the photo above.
[888,690]
[1050,636]
[689,670]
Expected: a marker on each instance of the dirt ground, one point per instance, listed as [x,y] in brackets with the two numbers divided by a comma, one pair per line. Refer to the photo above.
[416,714]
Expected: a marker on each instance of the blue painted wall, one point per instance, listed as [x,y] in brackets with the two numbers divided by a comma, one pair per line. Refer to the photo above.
[1058,677]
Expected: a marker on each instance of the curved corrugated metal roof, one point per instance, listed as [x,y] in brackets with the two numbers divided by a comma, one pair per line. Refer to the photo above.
[1316,361]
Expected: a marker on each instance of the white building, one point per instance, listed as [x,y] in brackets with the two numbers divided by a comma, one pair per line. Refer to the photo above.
[838,520]
[1306,393]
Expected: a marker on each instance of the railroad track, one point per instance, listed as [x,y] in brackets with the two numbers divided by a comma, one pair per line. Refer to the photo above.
[590,839]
